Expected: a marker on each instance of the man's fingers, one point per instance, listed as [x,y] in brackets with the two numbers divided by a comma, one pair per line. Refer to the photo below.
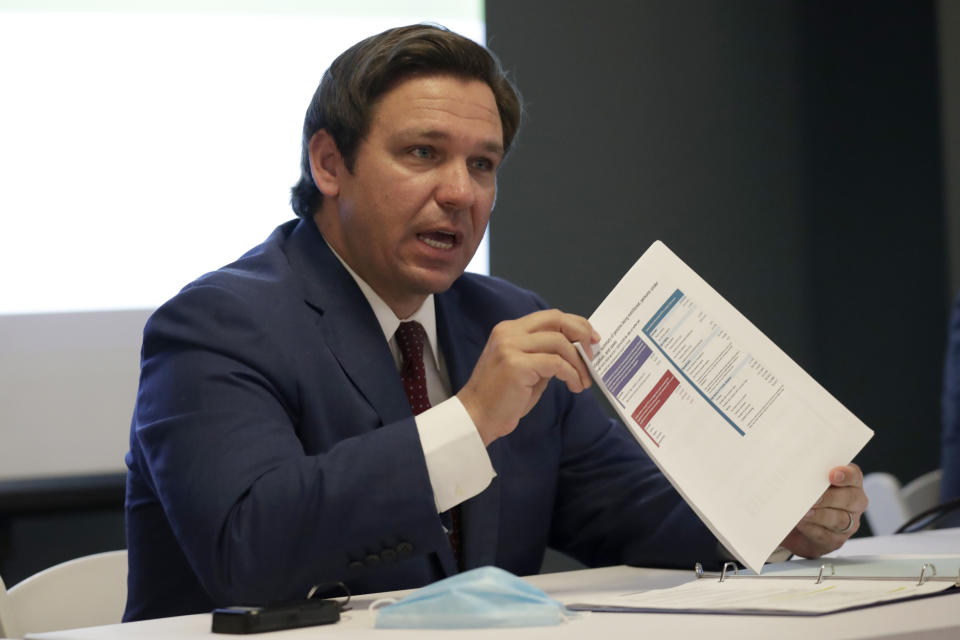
[838,520]
[845,493]
[575,328]
[549,365]
[846,476]
[548,342]
[519,360]
[834,518]
[848,498]
[547,332]
[812,541]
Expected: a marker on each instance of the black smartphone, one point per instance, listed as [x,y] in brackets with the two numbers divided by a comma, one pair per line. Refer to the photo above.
[274,617]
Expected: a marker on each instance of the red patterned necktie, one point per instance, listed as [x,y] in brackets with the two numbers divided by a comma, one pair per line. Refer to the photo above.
[410,338]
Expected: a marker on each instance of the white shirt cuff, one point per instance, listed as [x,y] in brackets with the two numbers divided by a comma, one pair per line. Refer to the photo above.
[457,462]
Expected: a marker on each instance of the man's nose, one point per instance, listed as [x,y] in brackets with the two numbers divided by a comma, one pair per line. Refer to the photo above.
[455,190]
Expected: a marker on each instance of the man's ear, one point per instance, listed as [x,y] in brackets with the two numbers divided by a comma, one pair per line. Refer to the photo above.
[326,163]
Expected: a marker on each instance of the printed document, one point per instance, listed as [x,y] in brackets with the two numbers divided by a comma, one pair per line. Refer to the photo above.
[742,432]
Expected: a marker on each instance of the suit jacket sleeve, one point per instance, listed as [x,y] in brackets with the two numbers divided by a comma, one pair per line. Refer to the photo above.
[220,432]
[950,461]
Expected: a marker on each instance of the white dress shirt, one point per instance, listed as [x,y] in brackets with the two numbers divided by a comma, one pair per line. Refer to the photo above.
[457,462]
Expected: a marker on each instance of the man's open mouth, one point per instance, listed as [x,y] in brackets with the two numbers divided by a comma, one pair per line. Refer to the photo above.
[438,239]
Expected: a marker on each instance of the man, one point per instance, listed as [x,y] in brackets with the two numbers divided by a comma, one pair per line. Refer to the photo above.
[275,445]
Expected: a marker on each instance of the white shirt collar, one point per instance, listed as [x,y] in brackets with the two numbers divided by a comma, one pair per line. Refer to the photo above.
[426,315]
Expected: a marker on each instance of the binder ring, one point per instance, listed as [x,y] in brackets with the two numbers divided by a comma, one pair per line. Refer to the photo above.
[923,571]
[727,565]
[833,571]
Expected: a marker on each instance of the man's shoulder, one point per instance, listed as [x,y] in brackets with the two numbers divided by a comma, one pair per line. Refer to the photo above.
[485,294]
[261,268]
[257,281]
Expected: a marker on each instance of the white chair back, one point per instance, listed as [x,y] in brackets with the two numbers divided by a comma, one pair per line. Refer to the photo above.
[886,510]
[6,615]
[892,504]
[84,592]
[923,492]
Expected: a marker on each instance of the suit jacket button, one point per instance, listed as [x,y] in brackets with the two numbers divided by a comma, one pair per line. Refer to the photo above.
[388,555]
[404,549]
[372,560]
[356,564]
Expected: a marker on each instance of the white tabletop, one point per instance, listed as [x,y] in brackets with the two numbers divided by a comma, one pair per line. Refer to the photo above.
[929,618]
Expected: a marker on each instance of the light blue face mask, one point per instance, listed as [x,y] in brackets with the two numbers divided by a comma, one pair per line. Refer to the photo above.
[484,597]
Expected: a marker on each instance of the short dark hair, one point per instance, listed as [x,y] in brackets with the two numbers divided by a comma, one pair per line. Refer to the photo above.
[348,92]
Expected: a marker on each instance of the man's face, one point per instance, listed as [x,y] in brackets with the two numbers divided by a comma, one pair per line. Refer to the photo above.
[410,215]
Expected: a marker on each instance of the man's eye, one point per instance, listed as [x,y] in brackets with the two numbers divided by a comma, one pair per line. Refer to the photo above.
[422,152]
[482,164]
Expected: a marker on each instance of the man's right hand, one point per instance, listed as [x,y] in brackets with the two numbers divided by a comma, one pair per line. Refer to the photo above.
[519,359]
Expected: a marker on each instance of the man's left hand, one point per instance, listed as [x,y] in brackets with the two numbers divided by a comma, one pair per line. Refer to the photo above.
[834,518]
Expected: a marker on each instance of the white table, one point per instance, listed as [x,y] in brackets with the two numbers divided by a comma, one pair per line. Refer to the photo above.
[937,617]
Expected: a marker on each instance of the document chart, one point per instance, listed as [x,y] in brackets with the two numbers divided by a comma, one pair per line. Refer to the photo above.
[732,382]
[742,432]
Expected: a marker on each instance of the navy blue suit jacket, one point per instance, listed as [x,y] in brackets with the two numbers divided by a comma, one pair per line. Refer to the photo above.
[950,452]
[272,448]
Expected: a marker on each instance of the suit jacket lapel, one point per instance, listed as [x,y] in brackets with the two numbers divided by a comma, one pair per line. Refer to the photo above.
[462,340]
[348,323]
[350,327]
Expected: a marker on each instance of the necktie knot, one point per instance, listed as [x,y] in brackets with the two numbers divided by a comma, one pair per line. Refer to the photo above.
[410,337]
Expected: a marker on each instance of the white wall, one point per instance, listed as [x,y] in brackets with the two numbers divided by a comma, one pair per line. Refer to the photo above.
[145,142]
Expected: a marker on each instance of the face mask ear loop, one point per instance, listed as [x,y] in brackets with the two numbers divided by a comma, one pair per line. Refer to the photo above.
[569,615]
[376,604]
[344,606]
